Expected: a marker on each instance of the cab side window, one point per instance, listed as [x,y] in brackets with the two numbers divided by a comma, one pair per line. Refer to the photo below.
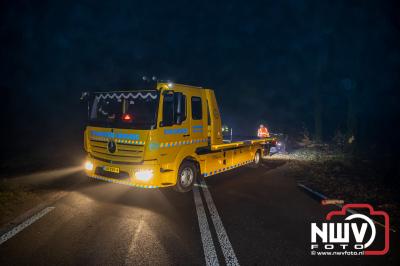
[168,110]
[197,112]
[174,109]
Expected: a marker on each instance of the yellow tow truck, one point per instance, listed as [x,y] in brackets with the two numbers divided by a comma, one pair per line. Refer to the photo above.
[167,135]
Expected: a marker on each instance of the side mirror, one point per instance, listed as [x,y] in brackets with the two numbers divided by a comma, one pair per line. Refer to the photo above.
[168,93]
[180,107]
[165,124]
[179,119]
[84,96]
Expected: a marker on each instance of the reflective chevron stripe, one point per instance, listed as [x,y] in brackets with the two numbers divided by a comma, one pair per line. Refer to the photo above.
[121,141]
[181,143]
[135,142]
[116,181]
[226,168]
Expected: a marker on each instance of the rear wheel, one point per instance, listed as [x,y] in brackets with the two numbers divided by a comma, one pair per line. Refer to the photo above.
[256,160]
[187,175]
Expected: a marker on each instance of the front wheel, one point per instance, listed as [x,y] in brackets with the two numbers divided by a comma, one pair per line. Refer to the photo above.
[187,175]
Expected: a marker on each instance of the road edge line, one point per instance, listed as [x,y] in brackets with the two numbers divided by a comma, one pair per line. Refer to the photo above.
[51,199]
[25,224]
[210,254]
[226,246]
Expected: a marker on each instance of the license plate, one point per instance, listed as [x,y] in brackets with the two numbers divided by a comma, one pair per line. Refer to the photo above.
[111,169]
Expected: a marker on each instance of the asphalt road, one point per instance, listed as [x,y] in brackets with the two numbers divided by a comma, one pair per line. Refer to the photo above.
[245,216]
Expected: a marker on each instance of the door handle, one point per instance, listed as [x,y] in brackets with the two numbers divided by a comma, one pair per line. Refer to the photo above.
[186,135]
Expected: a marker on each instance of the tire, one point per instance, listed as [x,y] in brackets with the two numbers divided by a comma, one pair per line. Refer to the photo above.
[187,176]
[256,160]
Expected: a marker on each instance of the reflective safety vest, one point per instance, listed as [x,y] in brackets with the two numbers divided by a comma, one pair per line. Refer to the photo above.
[263,132]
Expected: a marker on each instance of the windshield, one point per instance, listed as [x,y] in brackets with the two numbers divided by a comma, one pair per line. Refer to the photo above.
[136,110]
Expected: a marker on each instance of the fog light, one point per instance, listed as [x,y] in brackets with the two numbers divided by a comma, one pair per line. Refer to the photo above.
[144,175]
[89,165]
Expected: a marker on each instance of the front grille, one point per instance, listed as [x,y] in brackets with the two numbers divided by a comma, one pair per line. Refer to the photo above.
[125,153]
[99,171]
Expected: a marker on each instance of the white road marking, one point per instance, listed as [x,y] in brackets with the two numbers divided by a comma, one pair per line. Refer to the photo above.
[131,252]
[25,224]
[198,185]
[312,191]
[208,244]
[227,250]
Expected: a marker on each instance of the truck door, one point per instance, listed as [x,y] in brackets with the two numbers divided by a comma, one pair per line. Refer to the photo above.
[198,127]
[174,127]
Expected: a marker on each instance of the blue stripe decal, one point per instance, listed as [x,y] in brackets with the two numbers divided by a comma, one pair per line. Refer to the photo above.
[197,129]
[112,135]
[175,131]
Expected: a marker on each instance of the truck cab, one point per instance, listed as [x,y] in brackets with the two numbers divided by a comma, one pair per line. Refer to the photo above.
[164,136]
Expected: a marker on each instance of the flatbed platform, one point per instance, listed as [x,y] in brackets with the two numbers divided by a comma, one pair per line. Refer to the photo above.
[241,143]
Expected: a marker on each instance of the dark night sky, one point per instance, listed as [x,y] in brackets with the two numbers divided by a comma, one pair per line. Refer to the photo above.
[264,60]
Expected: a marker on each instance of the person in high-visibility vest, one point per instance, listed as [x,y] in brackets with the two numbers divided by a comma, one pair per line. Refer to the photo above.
[262,132]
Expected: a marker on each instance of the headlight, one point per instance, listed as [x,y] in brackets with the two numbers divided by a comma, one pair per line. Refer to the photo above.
[89,165]
[144,175]
[279,143]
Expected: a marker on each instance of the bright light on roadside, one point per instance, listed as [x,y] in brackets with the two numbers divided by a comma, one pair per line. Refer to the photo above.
[170,85]
[89,165]
[144,175]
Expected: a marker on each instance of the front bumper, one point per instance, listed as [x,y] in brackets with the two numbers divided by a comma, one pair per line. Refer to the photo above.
[126,175]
